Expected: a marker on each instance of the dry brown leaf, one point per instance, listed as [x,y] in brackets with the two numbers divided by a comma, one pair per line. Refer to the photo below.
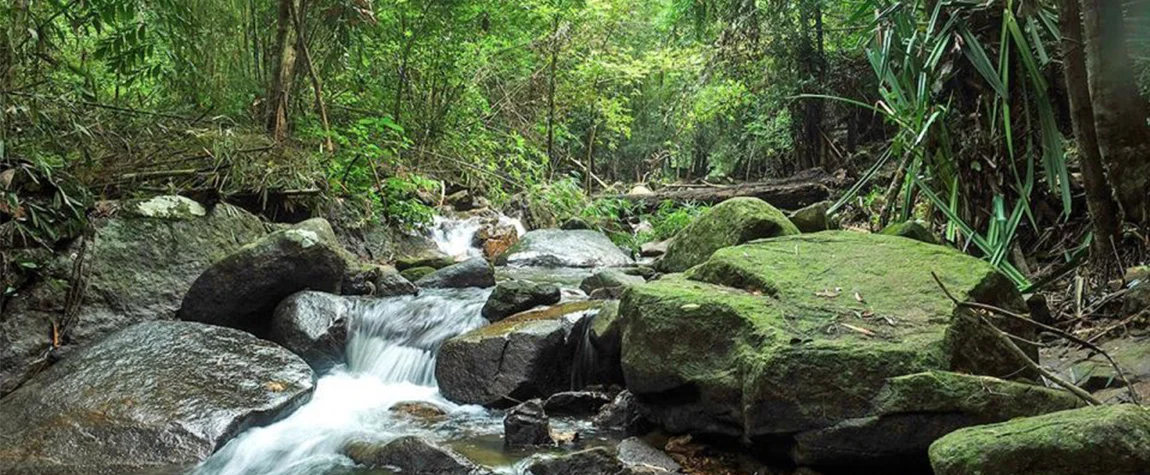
[862,330]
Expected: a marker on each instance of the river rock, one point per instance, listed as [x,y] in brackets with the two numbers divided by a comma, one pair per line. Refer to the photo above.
[475,272]
[519,358]
[911,230]
[140,262]
[526,425]
[415,273]
[313,325]
[496,238]
[623,413]
[609,279]
[559,248]
[419,410]
[813,218]
[801,332]
[595,461]
[433,258]
[654,249]
[157,394]
[242,290]
[1095,440]
[640,457]
[576,403]
[412,455]
[377,281]
[913,411]
[516,296]
[729,223]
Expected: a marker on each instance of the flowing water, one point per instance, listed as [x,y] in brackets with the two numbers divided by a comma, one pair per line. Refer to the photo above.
[390,353]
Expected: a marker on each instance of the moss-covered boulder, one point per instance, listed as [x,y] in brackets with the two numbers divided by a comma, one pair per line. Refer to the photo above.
[140,261]
[243,289]
[1095,440]
[801,332]
[150,397]
[911,230]
[814,218]
[730,223]
[516,359]
[911,412]
[415,273]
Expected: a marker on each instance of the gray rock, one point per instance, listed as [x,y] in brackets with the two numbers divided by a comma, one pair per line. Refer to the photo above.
[813,218]
[520,358]
[623,413]
[596,461]
[576,403]
[433,258]
[637,455]
[654,249]
[157,394]
[526,425]
[377,281]
[475,272]
[609,279]
[314,326]
[558,248]
[512,297]
[242,290]
[140,263]
[412,455]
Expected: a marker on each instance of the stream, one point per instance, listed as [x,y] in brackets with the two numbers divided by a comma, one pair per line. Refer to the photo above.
[390,354]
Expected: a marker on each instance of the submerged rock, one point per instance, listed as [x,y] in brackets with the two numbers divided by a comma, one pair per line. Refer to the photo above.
[527,425]
[314,326]
[1095,440]
[913,411]
[522,357]
[801,332]
[730,223]
[475,272]
[559,248]
[242,290]
[419,410]
[911,230]
[140,262]
[512,297]
[412,455]
[157,394]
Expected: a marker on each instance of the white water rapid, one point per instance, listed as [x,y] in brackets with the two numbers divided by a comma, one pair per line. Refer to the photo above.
[391,359]
[455,237]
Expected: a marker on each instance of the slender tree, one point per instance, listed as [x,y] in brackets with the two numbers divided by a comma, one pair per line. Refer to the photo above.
[283,70]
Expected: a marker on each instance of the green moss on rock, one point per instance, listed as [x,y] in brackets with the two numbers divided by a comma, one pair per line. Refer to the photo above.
[800,332]
[1093,440]
[730,223]
[911,230]
[415,273]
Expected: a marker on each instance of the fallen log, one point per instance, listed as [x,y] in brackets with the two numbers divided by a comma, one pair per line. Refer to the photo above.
[792,193]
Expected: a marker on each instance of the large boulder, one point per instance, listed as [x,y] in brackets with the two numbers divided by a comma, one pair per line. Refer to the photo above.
[242,290]
[800,333]
[911,412]
[157,394]
[560,248]
[516,296]
[1099,440]
[474,272]
[730,223]
[139,263]
[313,325]
[522,357]
[412,455]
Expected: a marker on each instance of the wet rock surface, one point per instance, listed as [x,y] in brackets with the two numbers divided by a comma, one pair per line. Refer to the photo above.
[412,455]
[527,425]
[522,357]
[313,325]
[157,394]
[730,223]
[559,248]
[242,290]
[141,261]
[576,403]
[512,297]
[476,272]
[609,279]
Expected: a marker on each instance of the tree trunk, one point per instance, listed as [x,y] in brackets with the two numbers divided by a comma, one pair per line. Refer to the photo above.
[551,93]
[1119,112]
[284,74]
[1100,203]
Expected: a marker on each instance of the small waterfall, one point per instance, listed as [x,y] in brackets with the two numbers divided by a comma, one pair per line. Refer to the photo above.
[391,358]
[456,237]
